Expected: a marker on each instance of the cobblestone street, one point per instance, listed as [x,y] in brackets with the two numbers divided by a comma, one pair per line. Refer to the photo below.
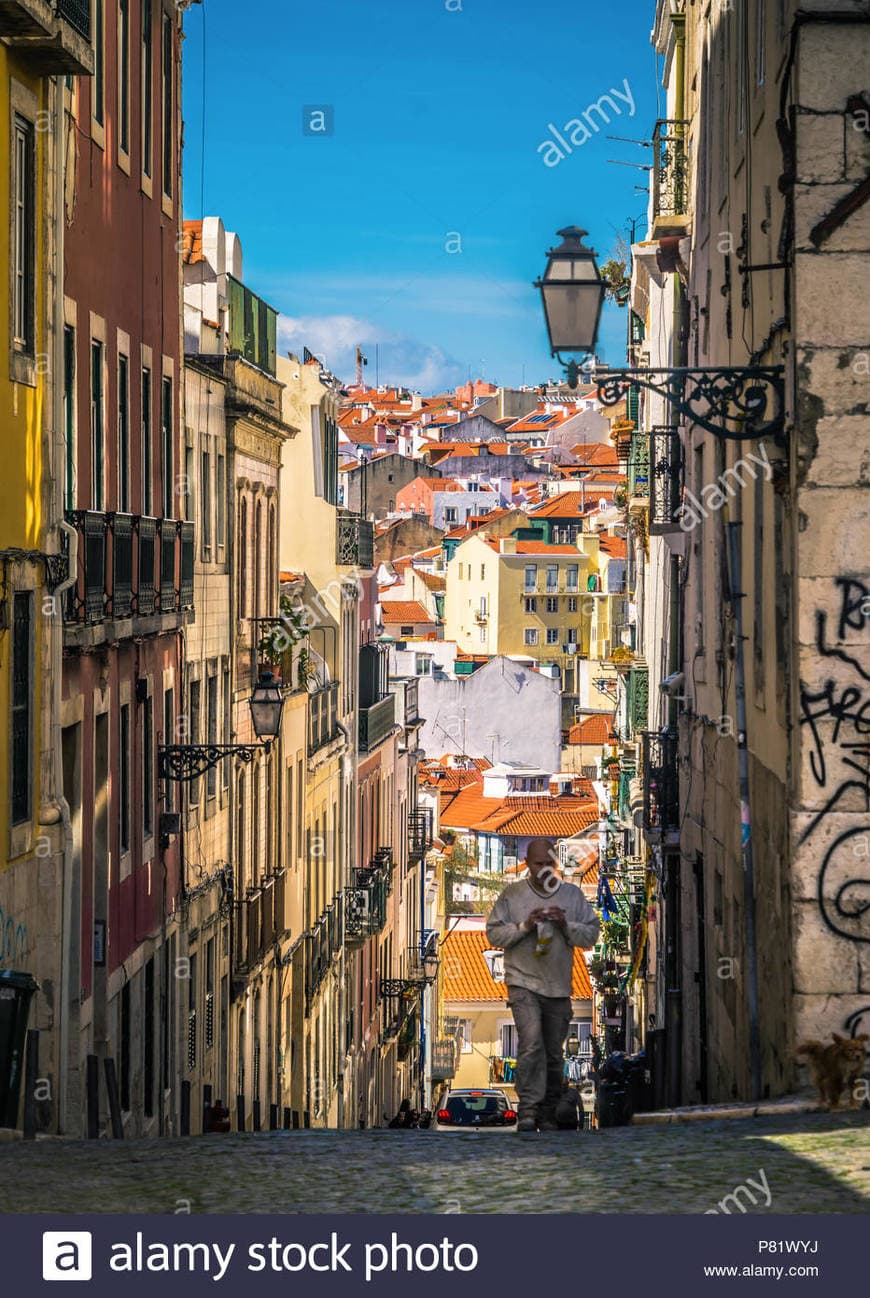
[811,1163]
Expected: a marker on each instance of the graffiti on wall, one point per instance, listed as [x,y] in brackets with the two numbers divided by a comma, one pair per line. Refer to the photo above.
[836,718]
[13,941]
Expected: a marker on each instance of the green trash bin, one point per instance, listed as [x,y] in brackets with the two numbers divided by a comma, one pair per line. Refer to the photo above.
[16,993]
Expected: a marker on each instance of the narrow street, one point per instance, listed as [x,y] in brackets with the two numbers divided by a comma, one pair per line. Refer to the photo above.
[817,1163]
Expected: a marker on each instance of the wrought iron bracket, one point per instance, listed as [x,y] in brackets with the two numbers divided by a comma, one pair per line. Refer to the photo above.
[391,987]
[736,402]
[182,763]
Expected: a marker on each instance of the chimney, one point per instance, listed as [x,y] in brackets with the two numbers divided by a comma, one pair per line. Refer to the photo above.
[507,545]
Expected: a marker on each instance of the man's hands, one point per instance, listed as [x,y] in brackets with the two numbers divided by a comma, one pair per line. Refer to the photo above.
[555,914]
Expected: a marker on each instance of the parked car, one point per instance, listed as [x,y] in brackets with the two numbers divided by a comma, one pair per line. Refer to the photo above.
[467,1109]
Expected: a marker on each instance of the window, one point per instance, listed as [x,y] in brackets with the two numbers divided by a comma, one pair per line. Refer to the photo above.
[187,483]
[22,690]
[166,443]
[211,723]
[406,631]
[69,414]
[24,238]
[572,604]
[571,633]
[552,604]
[97,426]
[552,635]
[124,790]
[147,459]
[227,697]
[191,1011]
[220,501]
[147,88]
[205,503]
[530,635]
[760,32]
[422,665]
[148,767]
[531,576]
[193,735]
[168,118]
[465,1035]
[571,576]
[98,91]
[531,605]
[552,576]
[460,572]
[169,738]
[483,572]
[508,1034]
[123,434]
[451,515]
[124,75]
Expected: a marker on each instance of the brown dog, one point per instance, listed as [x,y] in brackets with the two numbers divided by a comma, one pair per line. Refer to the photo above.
[834,1066]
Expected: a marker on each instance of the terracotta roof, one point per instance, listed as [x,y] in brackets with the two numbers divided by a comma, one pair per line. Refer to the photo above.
[595,453]
[521,816]
[466,975]
[534,547]
[566,504]
[431,580]
[405,610]
[191,247]
[614,546]
[592,730]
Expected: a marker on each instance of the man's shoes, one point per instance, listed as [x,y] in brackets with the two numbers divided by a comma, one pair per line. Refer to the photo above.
[527,1124]
[547,1124]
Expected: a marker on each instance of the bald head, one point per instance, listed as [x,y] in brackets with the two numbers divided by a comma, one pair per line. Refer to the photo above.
[541,856]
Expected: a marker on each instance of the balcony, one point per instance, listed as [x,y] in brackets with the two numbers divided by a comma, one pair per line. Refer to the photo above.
[445,1059]
[661,794]
[322,717]
[53,36]
[257,925]
[666,478]
[365,904]
[670,176]
[355,541]
[419,834]
[322,945]
[376,723]
[129,566]
[638,698]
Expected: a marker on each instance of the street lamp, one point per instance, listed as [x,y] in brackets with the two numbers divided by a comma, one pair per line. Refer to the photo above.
[733,401]
[183,763]
[572,292]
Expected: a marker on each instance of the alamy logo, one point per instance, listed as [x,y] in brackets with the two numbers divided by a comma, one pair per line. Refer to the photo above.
[66,1255]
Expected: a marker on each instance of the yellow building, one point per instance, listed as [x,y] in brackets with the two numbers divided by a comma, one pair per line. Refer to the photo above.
[548,603]
[38,48]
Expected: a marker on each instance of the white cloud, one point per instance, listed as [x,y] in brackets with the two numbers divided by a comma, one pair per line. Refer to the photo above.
[401,359]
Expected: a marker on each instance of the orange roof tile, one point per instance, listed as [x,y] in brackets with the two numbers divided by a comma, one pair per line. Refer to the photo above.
[521,816]
[191,247]
[565,504]
[592,730]
[466,975]
[405,610]
[614,546]
[534,547]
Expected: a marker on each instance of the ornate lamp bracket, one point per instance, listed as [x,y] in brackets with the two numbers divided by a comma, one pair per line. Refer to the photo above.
[735,402]
[182,763]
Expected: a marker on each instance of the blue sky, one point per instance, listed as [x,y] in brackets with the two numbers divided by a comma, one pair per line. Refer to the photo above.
[419,224]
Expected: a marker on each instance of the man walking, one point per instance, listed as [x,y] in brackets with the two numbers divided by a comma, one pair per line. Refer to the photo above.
[538,921]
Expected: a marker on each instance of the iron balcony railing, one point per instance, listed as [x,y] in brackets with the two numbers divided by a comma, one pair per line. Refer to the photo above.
[445,1058]
[670,167]
[322,717]
[365,904]
[129,566]
[78,14]
[355,541]
[412,701]
[376,723]
[666,479]
[322,945]
[419,834]
[661,793]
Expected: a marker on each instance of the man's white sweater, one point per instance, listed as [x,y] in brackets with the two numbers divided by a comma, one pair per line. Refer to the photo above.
[548,974]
